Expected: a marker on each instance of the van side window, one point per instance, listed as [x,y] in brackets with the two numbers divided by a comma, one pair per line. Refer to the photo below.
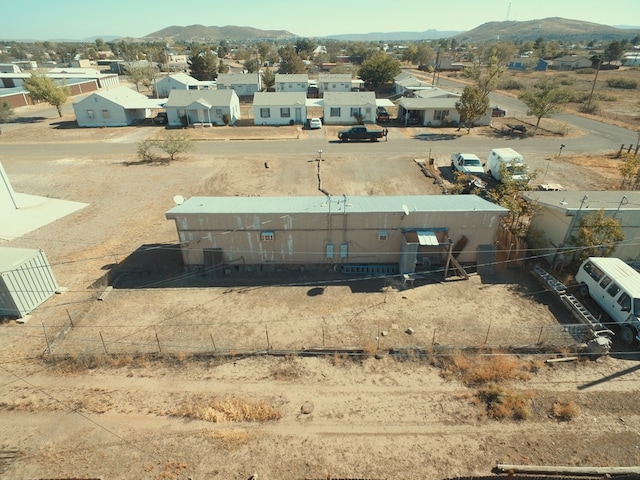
[605,282]
[593,271]
[613,290]
[625,302]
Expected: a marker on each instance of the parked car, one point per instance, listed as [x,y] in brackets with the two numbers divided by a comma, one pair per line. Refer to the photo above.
[498,112]
[315,123]
[382,115]
[160,118]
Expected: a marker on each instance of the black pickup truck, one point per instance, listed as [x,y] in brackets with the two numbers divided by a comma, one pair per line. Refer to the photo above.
[361,133]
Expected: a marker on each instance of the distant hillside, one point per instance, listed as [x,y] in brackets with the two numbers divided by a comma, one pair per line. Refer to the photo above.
[201,33]
[430,34]
[554,28]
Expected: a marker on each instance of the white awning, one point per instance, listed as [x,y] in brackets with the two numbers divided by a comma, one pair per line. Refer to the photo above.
[384,102]
[427,237]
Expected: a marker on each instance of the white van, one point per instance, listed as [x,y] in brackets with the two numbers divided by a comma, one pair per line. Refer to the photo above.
[513,162]
[615,286]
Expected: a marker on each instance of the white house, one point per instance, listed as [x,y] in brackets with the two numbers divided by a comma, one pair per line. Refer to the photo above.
[176,81]
[202,107]
[244,84]
[328,82]
[279,108]
[292,82]
[571,62]
[344,108]
[117,107]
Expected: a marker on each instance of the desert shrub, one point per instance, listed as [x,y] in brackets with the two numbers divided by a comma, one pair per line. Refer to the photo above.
[502,403]
[566,80]
[625,83]
[144,150]
[226,119]
[591,108]
[510,84]
[566,410]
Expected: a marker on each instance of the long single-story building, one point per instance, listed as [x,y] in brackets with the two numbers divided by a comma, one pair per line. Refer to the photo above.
[369,234]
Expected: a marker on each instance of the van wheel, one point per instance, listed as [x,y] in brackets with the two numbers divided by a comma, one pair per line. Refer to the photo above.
[584,290]
[629,334]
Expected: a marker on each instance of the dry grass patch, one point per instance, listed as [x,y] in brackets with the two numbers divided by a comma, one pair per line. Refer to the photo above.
[481,369]
[287,369]
[565,410]
[230,439]
[503,403]
[227,409]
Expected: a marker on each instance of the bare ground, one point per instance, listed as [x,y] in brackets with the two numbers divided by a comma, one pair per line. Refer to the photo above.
[122,416]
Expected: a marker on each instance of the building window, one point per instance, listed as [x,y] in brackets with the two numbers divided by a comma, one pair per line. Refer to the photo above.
[383,235]
[285,112]
[90,114]
[440,114]
[267,236]
[335,111]
[265,113]
[218,112]
[106,113]
[355,112]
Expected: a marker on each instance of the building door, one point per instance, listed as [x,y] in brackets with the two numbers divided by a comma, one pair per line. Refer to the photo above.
[212,261]
[298,115]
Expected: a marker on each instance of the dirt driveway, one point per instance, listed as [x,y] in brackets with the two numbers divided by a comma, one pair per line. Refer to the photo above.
[134,416]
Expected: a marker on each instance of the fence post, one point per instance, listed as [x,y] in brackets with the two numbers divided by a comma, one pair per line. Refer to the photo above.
[46,339]
[433,339]
[323,335]
[266,331]
[157,339]
[486,338]
[70,321]
[214,343]
[103,344]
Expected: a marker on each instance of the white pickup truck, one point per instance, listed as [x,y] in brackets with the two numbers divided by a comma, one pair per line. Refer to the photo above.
[467,163]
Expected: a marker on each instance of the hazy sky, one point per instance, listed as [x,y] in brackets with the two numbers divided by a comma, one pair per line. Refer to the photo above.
[74,19]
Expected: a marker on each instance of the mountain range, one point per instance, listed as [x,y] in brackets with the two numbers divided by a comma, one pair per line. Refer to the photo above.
[553,28]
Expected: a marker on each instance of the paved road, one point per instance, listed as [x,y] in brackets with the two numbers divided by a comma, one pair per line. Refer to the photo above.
[598,138]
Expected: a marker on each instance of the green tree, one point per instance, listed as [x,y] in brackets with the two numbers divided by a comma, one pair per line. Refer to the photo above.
[44,89]
[290,61]
[174,144]
[613,52]
[136,75]
[546,99]
[203,64]
[597,235]
[6,112]
[268,78]
[222,67]
[471,106]
[508,195]
[378,70]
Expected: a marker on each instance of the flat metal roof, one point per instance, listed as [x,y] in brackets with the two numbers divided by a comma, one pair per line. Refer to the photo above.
[325,204]
[10,258]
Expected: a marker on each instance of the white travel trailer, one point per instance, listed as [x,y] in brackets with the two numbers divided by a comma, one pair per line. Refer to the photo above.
[615,286]
[509,162]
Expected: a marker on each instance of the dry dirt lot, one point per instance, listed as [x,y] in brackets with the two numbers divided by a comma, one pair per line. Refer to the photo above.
[165,414]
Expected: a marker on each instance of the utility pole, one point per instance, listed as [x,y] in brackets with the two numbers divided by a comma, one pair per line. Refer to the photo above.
[594,84]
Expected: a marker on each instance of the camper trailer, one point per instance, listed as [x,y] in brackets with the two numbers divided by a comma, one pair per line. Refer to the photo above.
[506,161]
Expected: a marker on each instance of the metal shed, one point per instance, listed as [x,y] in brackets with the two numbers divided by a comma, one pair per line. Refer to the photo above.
[26,281]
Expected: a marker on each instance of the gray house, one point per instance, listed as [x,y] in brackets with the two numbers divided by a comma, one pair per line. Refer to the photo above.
[202,108]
